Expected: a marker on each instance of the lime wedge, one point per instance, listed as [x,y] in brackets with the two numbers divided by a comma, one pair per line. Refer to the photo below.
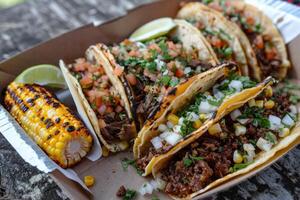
[153,29]
[46,75]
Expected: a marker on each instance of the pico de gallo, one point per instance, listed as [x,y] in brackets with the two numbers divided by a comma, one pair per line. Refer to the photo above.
[105,101]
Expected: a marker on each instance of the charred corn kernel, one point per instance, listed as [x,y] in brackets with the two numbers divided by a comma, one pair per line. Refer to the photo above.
[259,103]
[89,181]
[269,91]
[197,124]
[215,129]
[284,132]
[269,104]
[252,103]
[202,117]
[237,157]
[105,151]
[37,112]
[173,119]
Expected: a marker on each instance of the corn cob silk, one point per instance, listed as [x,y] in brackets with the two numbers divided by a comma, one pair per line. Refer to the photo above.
[49,123]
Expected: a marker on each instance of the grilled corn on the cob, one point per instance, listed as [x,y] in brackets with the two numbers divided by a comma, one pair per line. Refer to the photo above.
[49,123]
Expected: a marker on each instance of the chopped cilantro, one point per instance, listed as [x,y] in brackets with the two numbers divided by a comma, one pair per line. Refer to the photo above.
[188,161]
[186,128]
[165,51]
[290,88]
[129,195]
[151,66]
[271,137]
[256,114]
[214,102]
[253,142]
[210,32]
[165,80]
[126,162]
[174,82]
[239,166]
[227,52]
[258,28]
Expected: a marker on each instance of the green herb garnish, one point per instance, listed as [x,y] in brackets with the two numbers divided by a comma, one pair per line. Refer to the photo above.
[240,166]
[188,161]
[271,137]
[256,114]
[186,128]
[154,198]
[174,82]
[129,195]
[126,162]
[165,80]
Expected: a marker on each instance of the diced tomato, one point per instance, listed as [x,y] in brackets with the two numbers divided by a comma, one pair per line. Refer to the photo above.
[118,70]
[133,53]
[92,68]
[109,109]
[86,82]
[154,46]
[131,79]
[80,67]
[171,45]
[258,41]
[250,20]
[217,42]
[98,101]
[179,73]
[173,53]
[104,78]
[271,54]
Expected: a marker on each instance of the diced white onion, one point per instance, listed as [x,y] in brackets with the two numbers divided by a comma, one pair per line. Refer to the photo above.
[140,44]
[180,121]
[165,72]
[191,116]
[164,134]
[219,95]
[157,142]
[288,121]
[240,130]
[243,121]
[293,109]
[162,127]
[161,184]
[264,144]
[173,139]
[159,64]
[170,124]
[187,70]
[235,114]
[249,148]
[275,122]
[205,107]
[146,188]
[177,128]
[237,85]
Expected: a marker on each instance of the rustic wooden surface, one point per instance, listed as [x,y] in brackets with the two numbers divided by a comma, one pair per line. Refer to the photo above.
[38,20]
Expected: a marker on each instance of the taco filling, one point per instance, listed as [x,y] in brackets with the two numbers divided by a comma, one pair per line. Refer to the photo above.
[218,39]
[182,123]
[231,144]
[105,101]
[266,52]
[153,67]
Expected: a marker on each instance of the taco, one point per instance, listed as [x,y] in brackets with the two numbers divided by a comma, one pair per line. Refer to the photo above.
[206,100]
[234,145]
[266,40]
[150,69]
[104,102]
[227,40]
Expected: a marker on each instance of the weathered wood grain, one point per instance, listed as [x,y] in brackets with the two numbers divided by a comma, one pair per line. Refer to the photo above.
[38,20]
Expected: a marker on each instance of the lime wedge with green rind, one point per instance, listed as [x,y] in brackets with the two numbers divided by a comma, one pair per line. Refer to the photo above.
[45,74]
[153,29]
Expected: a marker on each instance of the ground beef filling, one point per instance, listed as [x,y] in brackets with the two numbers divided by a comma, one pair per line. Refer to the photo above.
[211,157]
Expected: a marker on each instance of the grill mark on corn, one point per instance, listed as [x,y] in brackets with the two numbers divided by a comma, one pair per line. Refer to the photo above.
[21,98]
